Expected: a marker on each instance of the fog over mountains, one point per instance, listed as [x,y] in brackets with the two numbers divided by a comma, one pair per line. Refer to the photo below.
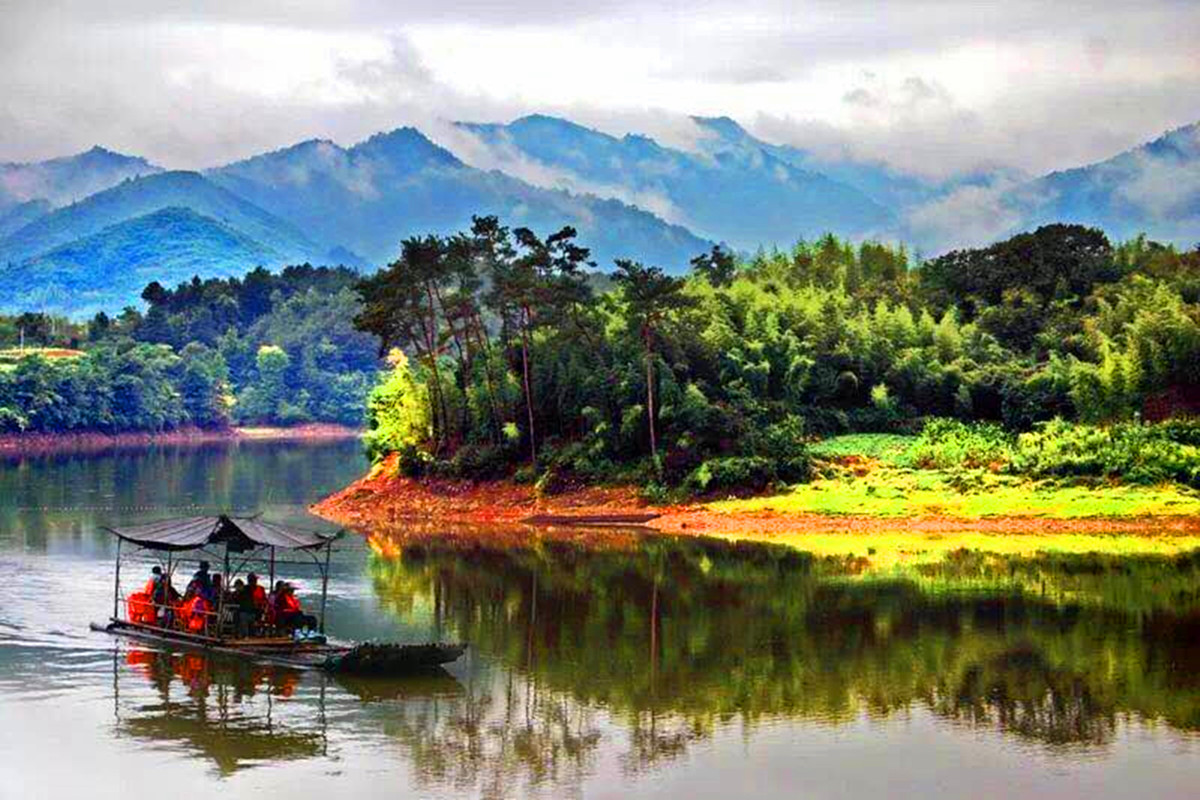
[85,232]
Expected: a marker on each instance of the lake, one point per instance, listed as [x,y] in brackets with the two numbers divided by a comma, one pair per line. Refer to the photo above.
[602,664]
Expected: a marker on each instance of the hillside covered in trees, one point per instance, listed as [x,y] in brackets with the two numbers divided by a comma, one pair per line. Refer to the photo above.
[719,378]
[510,353]
[262,349]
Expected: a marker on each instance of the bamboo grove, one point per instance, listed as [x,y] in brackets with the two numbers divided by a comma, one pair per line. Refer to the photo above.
[512,352]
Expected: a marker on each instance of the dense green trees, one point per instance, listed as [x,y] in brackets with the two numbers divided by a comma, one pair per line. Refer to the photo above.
[719,377]
[518,353]
[263,349]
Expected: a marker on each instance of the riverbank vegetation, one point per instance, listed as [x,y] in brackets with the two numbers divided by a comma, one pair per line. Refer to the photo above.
[265,349]
[1035,359]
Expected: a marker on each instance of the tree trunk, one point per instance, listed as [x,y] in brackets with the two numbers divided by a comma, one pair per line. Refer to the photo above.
[528,390]
[486,348]
[650,397]
[432,334]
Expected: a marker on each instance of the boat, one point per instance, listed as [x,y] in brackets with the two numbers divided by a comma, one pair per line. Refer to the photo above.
[238,543]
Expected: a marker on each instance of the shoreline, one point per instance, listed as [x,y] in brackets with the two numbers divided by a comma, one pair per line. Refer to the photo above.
[380,499]
[24,444]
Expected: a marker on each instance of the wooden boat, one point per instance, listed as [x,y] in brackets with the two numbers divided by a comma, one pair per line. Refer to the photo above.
[241,541]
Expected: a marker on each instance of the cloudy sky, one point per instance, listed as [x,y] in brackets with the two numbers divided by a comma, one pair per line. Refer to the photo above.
[933,86]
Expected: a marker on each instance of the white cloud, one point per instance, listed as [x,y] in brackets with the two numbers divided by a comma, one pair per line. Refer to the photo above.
[928,85]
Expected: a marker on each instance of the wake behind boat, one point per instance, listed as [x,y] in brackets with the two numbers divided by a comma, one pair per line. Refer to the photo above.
[230,612]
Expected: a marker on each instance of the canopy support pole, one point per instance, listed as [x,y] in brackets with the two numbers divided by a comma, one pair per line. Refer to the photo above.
[325,587]
[221,594]
[117,583]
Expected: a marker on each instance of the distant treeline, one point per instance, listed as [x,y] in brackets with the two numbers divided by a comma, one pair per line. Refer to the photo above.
[263,349]
[717,377]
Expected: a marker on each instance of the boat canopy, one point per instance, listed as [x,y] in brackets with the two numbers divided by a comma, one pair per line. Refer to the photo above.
[238,534]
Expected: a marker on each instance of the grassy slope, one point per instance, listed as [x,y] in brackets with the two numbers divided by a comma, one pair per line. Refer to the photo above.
[866,475]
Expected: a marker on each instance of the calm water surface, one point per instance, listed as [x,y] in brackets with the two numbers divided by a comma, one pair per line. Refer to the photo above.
[602,665]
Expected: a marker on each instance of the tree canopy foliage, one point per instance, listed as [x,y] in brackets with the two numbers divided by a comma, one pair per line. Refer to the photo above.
[263,349]
[720,376]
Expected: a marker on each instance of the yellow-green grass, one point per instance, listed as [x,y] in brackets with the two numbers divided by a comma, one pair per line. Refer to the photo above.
[896,549]
[897,492]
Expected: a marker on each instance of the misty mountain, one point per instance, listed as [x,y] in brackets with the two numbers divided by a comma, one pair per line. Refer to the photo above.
[370,196]
[108,270]
[20,215]
[65,180]
[887,186]
[736,190]
[140,196]
[1154,188]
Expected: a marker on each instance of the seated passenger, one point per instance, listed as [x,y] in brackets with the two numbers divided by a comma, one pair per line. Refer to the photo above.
[197,612]
[288,613]
[245,612]
[215,589]
[162,595]
[257,593]
[201,582]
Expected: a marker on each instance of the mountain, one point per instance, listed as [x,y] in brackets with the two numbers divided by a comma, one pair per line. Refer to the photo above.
[736,190]
[109,269]
[140,196]
[370,196]
[1154,188]
[887,186]
[20,215]
[68,179]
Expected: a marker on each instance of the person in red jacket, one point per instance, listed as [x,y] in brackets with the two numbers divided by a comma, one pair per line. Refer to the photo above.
[289,614]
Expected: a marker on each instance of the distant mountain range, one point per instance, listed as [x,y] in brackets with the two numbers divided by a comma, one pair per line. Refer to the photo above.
[86,232]
[736,189]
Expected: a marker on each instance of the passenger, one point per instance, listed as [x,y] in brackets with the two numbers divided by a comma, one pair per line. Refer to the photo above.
[270,615]
[201,582]
[139,607]
[245,612]
[162,596]
[196,614]
[216,589]
[288,612]
[257,593]
[156,576]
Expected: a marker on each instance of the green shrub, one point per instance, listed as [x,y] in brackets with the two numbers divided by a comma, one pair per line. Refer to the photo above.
[950,444]
[1130,452]
[737,474]
[479,462]
[784,444]
[1183,430]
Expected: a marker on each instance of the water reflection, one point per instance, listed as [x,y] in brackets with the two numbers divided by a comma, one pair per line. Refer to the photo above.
[215,709]
[601,662]
[47,497]
[238,714]
[679,637]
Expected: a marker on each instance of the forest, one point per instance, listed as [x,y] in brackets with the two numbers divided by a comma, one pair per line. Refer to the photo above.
[262,349]
[1055,348]
[499,352]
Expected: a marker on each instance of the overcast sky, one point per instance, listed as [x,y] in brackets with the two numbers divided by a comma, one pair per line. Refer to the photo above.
[928,85]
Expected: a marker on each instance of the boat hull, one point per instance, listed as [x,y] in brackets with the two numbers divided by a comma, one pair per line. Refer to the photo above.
[363,659]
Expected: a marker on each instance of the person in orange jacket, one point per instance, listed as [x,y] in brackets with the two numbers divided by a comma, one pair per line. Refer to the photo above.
[289,614]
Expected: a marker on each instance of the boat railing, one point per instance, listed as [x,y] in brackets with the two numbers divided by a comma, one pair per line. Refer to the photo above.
[175,617]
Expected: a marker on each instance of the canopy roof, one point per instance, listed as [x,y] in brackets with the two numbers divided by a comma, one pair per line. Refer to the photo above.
[238,533]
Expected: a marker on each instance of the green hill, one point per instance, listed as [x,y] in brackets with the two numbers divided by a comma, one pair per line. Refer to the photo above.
[109,269]
[141,196]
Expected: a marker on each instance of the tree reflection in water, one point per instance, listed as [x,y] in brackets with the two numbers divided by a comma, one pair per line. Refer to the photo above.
[586,647]
[671,638]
